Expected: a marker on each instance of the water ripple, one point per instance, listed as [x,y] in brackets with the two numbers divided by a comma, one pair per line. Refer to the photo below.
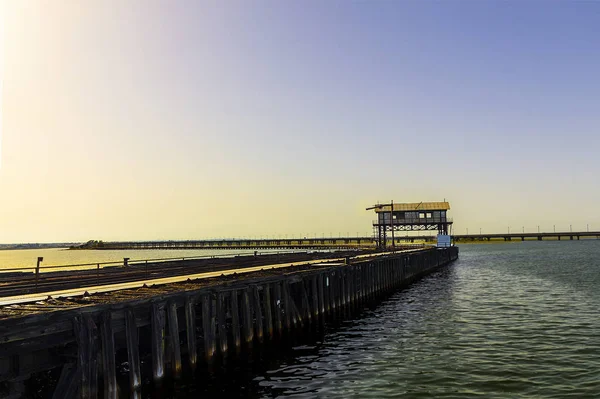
[514,320]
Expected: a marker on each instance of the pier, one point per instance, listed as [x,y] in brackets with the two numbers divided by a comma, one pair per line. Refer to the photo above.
[72,346]
[237,243]
[561,235]
[28,280]
[397,236]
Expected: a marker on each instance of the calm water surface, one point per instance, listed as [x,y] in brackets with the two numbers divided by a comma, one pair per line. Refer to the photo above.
[506,320]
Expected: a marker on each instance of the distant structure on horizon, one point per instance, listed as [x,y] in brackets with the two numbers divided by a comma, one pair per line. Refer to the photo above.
[415,216]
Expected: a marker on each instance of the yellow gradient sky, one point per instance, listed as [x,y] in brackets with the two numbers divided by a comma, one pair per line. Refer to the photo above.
[198,119]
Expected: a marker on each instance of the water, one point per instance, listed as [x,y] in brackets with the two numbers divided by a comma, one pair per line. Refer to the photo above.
[505,321]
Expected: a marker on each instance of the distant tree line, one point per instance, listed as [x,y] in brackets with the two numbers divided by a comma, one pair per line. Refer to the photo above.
[91,244]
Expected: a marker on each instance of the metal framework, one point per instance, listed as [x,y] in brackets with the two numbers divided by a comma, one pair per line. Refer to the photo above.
[421,216]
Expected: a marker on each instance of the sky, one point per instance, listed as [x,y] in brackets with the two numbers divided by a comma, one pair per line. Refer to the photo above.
[148,119]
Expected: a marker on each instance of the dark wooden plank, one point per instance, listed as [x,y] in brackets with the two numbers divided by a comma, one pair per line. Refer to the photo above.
[248,325]
[268,310]
[343,293]
[213,322]
[343,290]
[316,308]
[258,313]
[235,320]
[297,319]
[306,311]
[328,297]
[333,300]
[35,344]
[287,307]
[361,286]
[85,332]
[174,342]
[209,345]
[158,341]
[108,357]
[222,325]
[355,289]
[133,351]
[190,330]
[321,284]
[277,307]
[371,281]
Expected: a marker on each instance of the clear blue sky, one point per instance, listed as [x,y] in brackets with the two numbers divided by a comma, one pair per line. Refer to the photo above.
[190,119]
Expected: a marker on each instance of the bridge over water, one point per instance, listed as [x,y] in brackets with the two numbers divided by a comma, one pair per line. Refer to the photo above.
[561,235]
[260,243]
[332,242]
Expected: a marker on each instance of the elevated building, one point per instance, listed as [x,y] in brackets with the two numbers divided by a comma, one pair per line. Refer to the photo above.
[417,216]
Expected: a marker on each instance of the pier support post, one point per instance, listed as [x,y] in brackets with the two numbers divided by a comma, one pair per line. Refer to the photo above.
[208,329]
[158,341]
[371,281]
[174,340]
[235,321]
[350,288]
[392,270]
[371,276]
[384,276]
[321,283]
[277,307]
[380,285]
[339,293]
[190,330]
[359,280]
[268,310]
[388,275]
[353,287]
[343,293]
[375,279]
[37,270]
[379,268]
[287,308]
[305,303]
[221,313]
[133,352]
[297,319]
[85,333]
[332,294]
[258,314]
[315,297]
[108,357]
[248,322]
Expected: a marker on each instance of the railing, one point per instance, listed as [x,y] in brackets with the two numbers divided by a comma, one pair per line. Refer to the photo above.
[413,221]
[231,241]
[128,262]
[98,273]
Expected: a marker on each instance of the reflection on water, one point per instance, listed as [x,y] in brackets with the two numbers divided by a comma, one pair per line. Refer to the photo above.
[506,320]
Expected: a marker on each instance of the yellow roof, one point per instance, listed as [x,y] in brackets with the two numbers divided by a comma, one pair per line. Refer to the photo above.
[415,206]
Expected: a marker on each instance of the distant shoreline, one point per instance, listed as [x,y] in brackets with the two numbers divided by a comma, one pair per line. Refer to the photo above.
[9,247]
